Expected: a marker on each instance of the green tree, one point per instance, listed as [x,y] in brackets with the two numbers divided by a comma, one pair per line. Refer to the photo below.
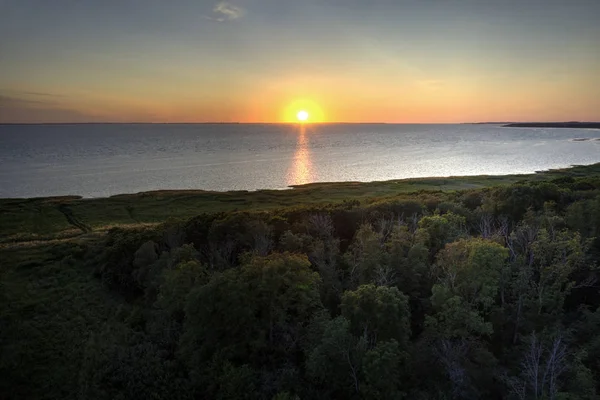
[335,362]
[165,321]
[378,314]
[364,256]
[119,363]
[345,366]
[382,370]
[408,262]
[177,283]
[471,269]
[437,230]
[256,313]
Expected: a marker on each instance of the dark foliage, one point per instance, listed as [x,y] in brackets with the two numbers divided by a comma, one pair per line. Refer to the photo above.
[488,293]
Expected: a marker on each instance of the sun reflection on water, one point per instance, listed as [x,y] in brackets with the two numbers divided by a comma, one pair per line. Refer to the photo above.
[301,171]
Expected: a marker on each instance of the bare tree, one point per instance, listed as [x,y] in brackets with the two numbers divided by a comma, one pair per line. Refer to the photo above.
[321,225]
[540,378]
[385,275]
[451,353]
[523,278]
[503,225]
[589,281]
[522,256]
[385,227]
[262,238]
[504,231]
[555,366]
[323,254]
[531,365]
[413,223]
[486,225]
[324,250]
[517,387]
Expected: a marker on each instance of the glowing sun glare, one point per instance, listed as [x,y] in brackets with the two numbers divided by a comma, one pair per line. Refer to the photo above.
[302,115]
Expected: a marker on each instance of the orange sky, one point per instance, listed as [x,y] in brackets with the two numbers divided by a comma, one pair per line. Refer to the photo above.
[262,61]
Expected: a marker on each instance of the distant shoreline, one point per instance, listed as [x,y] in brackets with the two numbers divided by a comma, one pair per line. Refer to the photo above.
[583,125]
[572,124]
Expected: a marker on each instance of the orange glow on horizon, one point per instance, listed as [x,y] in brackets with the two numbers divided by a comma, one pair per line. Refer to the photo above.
[329,98]
[302,110]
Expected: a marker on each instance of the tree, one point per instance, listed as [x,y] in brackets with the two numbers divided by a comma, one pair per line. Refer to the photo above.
[363,351]
[584,216]
[544,264]
[472,270]
[541,369]
[165,321]
[469,273]
[336,361]
[261,237]
[177,283]
[377,314]
[291,242]
[382,369]
[119,363]
[437,230]
[408,262]
[364,256]
[256,313]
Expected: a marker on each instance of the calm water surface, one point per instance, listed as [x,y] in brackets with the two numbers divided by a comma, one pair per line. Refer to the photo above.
[97,160]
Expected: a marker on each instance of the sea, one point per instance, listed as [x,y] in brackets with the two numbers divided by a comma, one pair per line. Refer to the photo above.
[101,160]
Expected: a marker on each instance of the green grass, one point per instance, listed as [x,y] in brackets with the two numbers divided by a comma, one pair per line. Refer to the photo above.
[42,219]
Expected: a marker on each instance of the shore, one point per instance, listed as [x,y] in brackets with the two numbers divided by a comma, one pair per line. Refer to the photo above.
[60,218]
[581,125]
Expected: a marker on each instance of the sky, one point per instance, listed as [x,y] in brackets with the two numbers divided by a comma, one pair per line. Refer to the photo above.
[404,61]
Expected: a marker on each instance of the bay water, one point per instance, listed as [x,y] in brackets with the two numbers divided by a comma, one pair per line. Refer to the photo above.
[99,160]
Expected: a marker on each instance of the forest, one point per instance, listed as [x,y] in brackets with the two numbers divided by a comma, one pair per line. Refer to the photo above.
[484,293]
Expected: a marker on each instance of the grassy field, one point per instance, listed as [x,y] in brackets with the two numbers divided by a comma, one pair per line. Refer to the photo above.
[59,218]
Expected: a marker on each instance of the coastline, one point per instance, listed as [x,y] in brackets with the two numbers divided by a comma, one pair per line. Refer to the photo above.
[26,220]
[403,185]
[572,125]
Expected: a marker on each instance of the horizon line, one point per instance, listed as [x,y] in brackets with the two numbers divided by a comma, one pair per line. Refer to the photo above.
[284,123]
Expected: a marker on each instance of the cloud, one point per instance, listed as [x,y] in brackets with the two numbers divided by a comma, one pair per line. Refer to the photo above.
[41,94]
[224,11]
[9,101]
[30,99]
[26,108]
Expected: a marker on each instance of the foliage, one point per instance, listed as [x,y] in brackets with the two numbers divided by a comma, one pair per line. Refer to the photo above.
[322,292]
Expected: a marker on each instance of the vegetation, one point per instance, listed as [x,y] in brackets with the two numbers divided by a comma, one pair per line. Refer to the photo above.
[450,288]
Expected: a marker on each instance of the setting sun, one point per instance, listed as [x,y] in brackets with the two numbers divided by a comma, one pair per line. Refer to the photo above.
[302,110]
[302,115]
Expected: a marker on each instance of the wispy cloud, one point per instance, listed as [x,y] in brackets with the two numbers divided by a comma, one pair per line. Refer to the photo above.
[8,101]
[28,97]
[18,110]
[18,106]
[42,94]
[225,11]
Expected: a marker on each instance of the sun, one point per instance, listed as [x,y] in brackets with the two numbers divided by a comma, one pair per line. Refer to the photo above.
[300,110]
[302,115]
